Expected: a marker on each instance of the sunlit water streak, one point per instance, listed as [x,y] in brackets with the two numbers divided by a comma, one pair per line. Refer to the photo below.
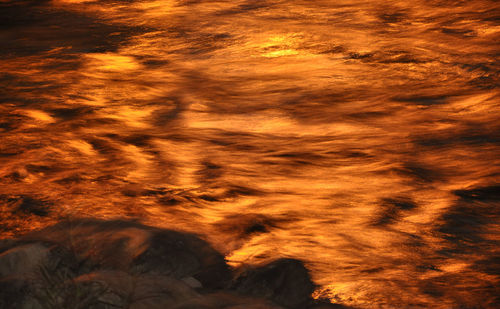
[361,137]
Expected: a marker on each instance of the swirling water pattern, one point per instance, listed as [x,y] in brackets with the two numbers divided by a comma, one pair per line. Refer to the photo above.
[361,137]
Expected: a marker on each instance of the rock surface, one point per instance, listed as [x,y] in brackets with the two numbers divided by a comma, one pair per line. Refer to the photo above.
[22,259]
[122,264]
[285,281]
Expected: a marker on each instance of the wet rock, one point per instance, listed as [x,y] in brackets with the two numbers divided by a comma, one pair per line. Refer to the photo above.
[183,255]
[226,300]
[285,281]
[192,282]
[6,243]
[14,293]
[124,290]
[104,245]
[23,259]
[36,273]
[130,246]
[104,264]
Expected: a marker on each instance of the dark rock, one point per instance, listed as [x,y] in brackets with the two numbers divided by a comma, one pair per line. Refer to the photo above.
[6,244]
[103,264]
[130,246]
[23,259]
[40,275]
[285,281]
[183,255]
[124,290]
[226,300]
[13,292]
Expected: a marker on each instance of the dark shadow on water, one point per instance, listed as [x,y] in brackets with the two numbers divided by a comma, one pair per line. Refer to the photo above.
[392,209]
[32,27]
[466,221]
[25,205]
[490,193]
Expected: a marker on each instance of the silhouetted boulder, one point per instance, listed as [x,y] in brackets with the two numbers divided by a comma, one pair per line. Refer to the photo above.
[181,256]
[130,246]
[22,259]
[120,264]
[285,281]
[226,300]
[13,292]
[125,290]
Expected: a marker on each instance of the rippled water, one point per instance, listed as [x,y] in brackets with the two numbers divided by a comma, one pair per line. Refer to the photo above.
[361,137]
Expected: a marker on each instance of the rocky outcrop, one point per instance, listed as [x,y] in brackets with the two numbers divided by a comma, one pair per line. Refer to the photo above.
[122,264]
[285,281]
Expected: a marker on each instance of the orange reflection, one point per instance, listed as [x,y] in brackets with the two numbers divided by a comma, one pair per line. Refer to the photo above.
[359,137]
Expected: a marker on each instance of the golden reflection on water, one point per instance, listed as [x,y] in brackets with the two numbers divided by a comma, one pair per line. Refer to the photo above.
[358,136]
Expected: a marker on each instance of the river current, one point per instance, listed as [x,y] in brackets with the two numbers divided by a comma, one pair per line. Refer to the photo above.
[361,137]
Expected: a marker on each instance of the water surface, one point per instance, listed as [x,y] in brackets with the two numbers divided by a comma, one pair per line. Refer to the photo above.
[361,137]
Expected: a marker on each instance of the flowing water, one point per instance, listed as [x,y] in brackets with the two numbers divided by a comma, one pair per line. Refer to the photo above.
[359,136]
